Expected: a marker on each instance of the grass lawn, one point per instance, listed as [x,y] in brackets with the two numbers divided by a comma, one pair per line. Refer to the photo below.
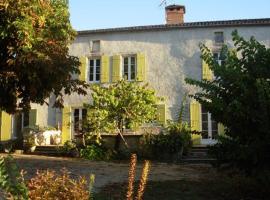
[209,189]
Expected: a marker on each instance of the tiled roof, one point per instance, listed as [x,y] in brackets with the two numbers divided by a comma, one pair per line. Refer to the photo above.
[205,24]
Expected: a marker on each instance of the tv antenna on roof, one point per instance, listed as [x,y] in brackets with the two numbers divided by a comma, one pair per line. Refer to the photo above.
[163,2]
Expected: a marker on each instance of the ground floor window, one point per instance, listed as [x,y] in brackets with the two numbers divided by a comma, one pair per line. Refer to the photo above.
[79,115]
[209,125]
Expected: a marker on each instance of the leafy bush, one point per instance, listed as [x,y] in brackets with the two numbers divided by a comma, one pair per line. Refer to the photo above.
[196,138]
[47,185]
[95,152]
[169,144]
[69,149]
[239,98]
[51,185]
[11,181]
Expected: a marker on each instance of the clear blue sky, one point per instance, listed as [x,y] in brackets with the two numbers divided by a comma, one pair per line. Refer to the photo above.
[96,14]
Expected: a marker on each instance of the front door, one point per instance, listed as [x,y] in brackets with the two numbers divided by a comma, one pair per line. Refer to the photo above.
[209,128]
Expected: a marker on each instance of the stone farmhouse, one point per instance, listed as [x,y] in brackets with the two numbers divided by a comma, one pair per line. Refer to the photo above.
[161,55]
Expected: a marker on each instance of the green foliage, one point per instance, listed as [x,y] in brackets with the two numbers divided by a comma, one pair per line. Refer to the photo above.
[11,182]
[34,39]
[239,97]
[69,149]
[123,104]
[93,152]
[170,144]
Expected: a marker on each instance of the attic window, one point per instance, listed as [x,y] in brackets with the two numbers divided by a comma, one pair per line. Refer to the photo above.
[219,37]
[95,46]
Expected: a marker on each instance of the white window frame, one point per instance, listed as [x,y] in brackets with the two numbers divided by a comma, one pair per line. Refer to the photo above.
[209,125]
[219,61]
[94,70]
[73,119]
[129,67]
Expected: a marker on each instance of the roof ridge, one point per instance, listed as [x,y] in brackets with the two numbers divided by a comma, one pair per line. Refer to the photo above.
[233,22]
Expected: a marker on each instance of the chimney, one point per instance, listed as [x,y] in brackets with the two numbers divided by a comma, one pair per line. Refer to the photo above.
[175,14]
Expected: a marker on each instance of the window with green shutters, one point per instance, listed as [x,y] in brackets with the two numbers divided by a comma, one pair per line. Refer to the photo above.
[195,115]
[105,69]
[141,67]
[6,126]
[207,74]
[161,114]
[83,68]
[116,76]
[66,124]
[32,117]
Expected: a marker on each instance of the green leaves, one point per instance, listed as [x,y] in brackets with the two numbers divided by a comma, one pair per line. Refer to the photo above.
[123,104]
[239,98]
[34,58]
[11,181]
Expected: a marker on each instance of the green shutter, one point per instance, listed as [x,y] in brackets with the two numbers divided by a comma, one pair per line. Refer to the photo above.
[32,117]
[141,65]
[195,116]
[116,68]
[66,124]
[206,71]
[83,68]
[161,113]
[6,120]
[221,129]
[105,69]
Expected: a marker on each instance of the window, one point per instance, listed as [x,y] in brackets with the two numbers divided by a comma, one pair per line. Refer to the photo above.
[79,115]
[219,57]
[94,70]
[129,69]
[219,38]
[209,125]
[95,46]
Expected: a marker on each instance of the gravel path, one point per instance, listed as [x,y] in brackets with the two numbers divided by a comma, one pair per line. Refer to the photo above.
[110,172]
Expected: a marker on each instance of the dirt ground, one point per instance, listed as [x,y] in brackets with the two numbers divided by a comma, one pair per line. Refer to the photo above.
[111,172]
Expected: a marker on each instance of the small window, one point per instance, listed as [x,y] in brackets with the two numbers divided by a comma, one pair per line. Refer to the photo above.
[129,68]
[219,38]
[95,46]
[94,70]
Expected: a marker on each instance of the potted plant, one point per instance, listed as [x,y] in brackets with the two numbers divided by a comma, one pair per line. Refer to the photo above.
[29,142]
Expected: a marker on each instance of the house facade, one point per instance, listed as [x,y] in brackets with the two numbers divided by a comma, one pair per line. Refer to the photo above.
[161,55]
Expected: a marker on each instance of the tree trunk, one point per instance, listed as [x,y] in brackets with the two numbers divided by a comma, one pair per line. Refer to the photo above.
[118,137]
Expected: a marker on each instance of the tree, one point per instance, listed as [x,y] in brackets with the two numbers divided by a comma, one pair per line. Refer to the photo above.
[34,63]
[239,97]
[123,104]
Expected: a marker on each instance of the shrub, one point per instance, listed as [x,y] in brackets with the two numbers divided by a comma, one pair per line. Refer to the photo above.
[170,144]
[69,149]
[11,181]
[239,98]
[196,139]
[51,185]
[93,152]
